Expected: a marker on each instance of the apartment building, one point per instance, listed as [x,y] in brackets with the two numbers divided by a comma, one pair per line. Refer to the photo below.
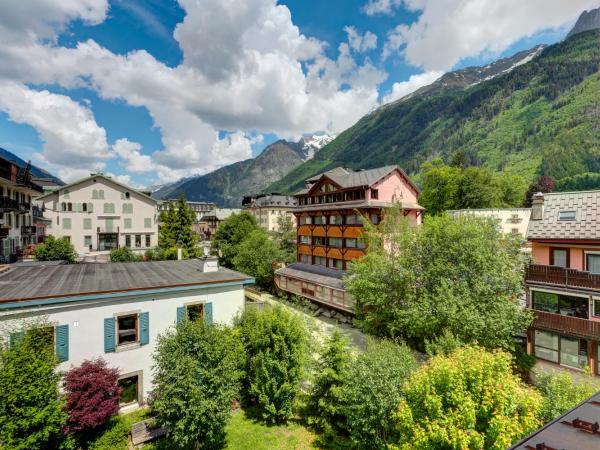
[117,311]
[563,282]
[269,208]
[330,214]
[510,220]
[17,227]
[211,220]
[98,213]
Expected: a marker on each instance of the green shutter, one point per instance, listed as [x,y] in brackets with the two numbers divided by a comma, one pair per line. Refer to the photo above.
[127,223]
[208,313]
[16,337]
[123,196]
[66,224]
[62,342]
[109,335]
[180,314]
[144,328]
[147,223]
[95,194]
[90,207]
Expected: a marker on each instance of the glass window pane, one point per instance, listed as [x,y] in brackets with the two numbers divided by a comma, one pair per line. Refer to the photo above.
[546,339]
[560,257]
[127,329]
[544,353]
[129,390]
[593,263]
[545,301]
[195,312]
[569,352]
[574,306]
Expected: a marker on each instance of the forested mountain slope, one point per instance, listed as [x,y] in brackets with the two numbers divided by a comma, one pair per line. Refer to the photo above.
[543,117]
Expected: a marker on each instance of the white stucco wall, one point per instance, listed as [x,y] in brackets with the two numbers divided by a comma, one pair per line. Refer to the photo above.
[86,324]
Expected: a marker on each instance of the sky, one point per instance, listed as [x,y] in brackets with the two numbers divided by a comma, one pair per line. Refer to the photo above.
[149,91]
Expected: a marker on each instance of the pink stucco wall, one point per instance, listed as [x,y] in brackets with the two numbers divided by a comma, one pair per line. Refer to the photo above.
[394,188]
[541,255]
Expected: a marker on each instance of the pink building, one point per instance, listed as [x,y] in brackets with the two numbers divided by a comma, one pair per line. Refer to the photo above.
[563,283]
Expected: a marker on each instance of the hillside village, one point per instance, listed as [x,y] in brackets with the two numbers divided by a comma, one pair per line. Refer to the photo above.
[428,278]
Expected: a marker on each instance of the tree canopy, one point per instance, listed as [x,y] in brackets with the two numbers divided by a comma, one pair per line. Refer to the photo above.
[231,232]
[53,249]
[255,256]
[176,227]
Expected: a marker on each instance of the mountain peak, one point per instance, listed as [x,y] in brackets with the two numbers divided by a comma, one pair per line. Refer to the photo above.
[588,20]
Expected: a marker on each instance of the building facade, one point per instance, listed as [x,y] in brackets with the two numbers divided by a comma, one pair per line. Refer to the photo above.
[510,220]
[563,282]
[330,215]
[17,227]
[212,219]
[118,310]
[269,208]
[98,213]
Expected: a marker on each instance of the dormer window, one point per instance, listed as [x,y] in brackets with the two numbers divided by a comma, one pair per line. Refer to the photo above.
[567,215]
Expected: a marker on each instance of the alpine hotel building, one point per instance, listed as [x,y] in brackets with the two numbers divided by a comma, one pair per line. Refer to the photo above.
[329,217]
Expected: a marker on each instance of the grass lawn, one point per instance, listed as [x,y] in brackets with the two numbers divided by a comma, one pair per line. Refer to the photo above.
[243,433]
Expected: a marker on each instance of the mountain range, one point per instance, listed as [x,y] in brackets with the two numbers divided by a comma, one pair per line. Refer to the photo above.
[36,171]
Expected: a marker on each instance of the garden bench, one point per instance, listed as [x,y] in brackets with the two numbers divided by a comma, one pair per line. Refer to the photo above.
[145,431]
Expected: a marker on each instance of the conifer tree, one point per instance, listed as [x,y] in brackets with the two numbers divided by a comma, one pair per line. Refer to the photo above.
[176,227]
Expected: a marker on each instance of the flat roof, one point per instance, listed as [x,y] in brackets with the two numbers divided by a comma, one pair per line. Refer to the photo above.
[20,284]
[314,273]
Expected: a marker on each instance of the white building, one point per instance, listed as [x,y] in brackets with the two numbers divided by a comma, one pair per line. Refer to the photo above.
[98,213]
[269,208]
[510,220]
[116,311]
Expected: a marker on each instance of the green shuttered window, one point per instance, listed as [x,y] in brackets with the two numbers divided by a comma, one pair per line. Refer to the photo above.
[109,335]
[62,342]
[144,328]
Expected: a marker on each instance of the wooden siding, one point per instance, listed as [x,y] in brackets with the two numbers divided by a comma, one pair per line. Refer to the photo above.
[566,324]
[558,276]
[335,298]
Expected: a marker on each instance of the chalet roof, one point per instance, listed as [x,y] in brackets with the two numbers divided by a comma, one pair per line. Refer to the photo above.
[586,225]
[315,274]
[565,432]
[51,281]
[272,200]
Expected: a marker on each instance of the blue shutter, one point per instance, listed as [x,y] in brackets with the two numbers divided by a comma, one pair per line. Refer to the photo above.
[109,335]
[208,313]
[144,328]
[16,337]
[62,342]
[180,314]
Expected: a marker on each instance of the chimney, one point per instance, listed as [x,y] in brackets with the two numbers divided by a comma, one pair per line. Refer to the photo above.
[537,206]
[209,264]
[179,254]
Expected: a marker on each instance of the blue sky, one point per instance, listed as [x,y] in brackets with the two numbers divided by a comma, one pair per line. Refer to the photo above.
[113,87]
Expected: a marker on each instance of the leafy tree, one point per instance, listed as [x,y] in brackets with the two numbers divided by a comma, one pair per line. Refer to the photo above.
[440,186]
[468,399]
[560,393]
[583,182]
[197,373]
[543,184]
[255,256]
[275,341]
[445,344]
[176,227]
[32,408]
[459,274]
[285,237]
[326,402]
[53,249]
[372,391]
[93,392]
[231,232]
[123,254]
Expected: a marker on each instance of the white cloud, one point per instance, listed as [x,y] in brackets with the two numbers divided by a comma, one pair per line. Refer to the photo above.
[360,42]
[385,7]
[450,30]
[132,157]
[403,88]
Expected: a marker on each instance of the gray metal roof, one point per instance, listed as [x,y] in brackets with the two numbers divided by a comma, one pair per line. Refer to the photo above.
[586,225]
[315,274]
[28,283]
[276,200]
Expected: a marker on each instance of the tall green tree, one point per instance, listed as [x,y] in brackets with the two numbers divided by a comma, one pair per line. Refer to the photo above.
[197,373]
[176,227]
[285,237]
[255,256]
[469,399]
[32,409]
[460,274]
[231,232]
[53,249]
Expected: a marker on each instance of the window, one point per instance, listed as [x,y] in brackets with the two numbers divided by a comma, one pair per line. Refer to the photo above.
[318,240]
[305,259]
[66,238]
[148,222]
[566,305]
[127,195]
[335,263]
[138,240]
[129,390]
[127,240]
[514,230]
[374,219]
[127,329]
[148,240]
[127,208]
[66,194]
[567,215]
[335,220]
[320,260]
[592,262]
[546,345]
[335,242]
[305,239]
[361,243]
[305,220]
[108,224]
[63,206]
[559,257]
[95,194]
[597,308]
[87,224]
[319,220]
[109,208]
[351,242]
[87,241]
[66,224]
[195,313]
[84,207]
[353,219]
[374,194]
[127,223]
[101,194]
[573,352]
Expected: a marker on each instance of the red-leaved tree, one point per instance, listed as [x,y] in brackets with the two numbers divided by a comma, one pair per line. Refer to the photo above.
[92,394]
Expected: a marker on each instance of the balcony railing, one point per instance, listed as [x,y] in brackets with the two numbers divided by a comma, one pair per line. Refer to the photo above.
[24,206]
[566,324]
[107,230]
[8,204]
[28,230]
[559,276]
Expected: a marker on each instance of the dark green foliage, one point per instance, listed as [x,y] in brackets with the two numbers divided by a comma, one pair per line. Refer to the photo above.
[255,256]
[372,391]
[124,254]
[176,228]
[457,274]
[540,118]
[285,237]
[325,408]
[584,182]
[231,232]
[197,373]
[53,249]
[444,344]
[275,341]
[32,409]
[543,184]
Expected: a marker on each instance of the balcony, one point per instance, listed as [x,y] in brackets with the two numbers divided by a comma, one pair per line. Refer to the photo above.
[28,230]
[107,230]
[559,276]
[8,204]
[566,324]
[24,207]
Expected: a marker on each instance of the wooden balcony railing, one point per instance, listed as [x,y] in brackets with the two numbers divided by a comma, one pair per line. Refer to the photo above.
[558,276]
[566,324]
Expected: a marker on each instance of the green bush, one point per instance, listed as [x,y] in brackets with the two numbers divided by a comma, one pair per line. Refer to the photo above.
[444,344]
[114,436]
[124,254]
[197,372]
[255,256]
[275,341]
[231,232]
[372,391]
[53,249]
